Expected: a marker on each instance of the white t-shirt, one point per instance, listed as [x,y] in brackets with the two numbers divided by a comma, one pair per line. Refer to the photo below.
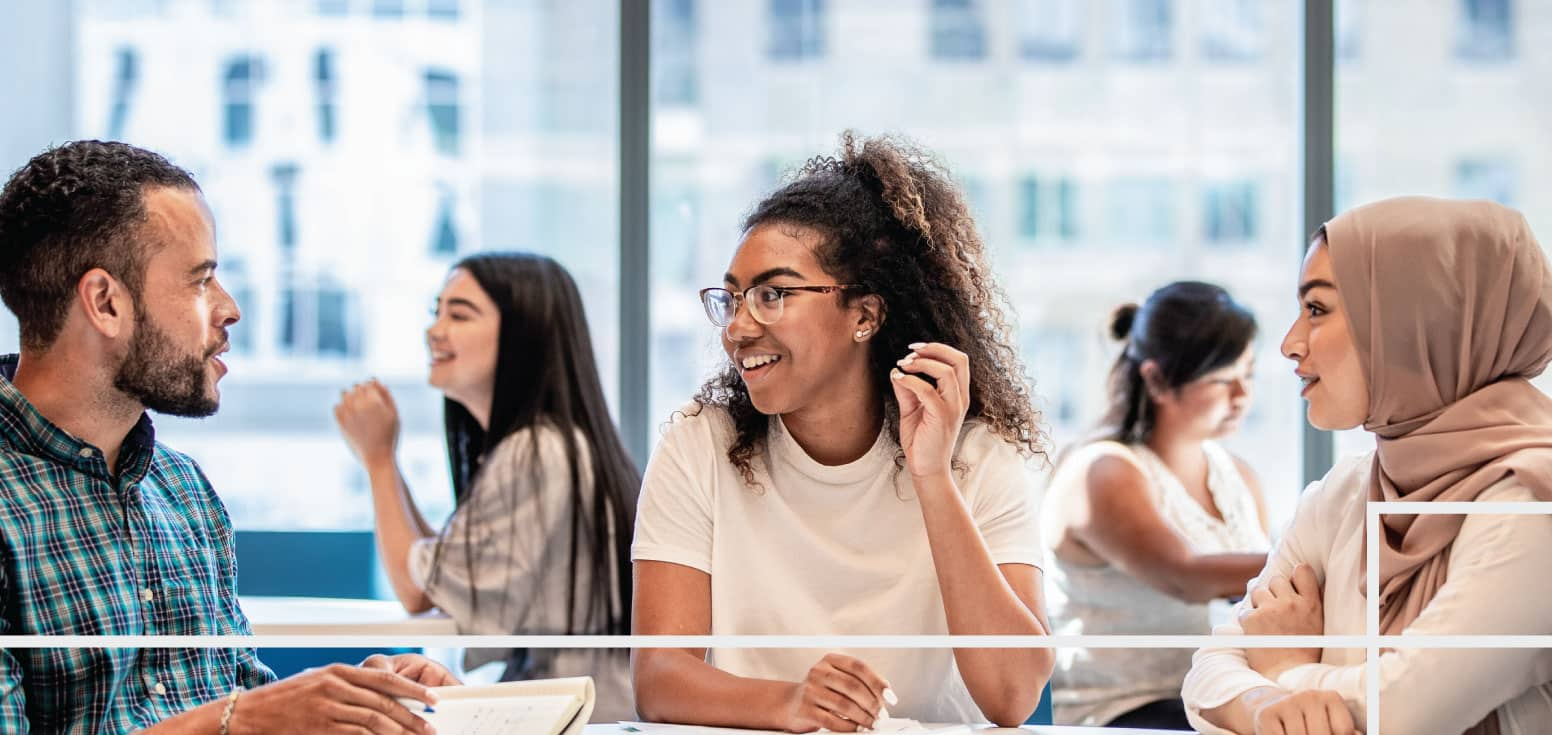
[826,550]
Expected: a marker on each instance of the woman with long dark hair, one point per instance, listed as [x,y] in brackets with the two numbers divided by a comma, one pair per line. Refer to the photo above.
[856,467]
[1151,518]
[539,542]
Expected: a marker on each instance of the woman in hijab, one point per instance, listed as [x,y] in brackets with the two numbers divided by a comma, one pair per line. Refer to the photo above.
[1422,320]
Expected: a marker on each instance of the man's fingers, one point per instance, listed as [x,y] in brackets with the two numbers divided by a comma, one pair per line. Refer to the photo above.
[386,682]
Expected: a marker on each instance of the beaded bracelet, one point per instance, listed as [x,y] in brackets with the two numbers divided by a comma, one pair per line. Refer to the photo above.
[231,706]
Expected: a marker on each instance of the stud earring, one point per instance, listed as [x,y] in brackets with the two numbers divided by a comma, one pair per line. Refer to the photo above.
[863,333]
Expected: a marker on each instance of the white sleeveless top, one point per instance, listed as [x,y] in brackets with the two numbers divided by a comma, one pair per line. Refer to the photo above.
[1094,686]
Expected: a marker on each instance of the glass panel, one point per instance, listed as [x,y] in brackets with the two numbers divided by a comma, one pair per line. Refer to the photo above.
[1446,107]
[348,162]
[1093,182]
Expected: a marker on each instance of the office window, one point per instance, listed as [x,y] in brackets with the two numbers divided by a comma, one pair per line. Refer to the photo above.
[239,90]
[343,245]
[442,110]
[1143,30]
[1492,179]
[443,9]
[1486,31]
[958,31]
[388,8]
[444,236]
[1047,209]
[1141,211]
[1348,30]
[316,323]
[1076,170]
[323,82]
[673,52]
[1232,30]
[1054,355]
[125,74]
[284,175]
[1229,212]
[1050,30]
[796,29]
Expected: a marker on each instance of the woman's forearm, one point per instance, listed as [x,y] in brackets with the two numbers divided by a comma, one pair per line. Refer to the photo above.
[1238,714]
[978,600]
[1210,576]
[677,685]
[399,525]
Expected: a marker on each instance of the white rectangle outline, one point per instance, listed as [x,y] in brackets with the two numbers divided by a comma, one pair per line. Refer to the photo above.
[1374,509]
[1371,641]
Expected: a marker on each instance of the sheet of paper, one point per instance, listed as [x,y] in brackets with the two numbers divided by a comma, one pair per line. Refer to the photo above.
[541,715]
[894,726]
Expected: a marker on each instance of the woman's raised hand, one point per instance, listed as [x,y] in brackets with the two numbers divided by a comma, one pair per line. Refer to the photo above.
[931,416]
[369,421]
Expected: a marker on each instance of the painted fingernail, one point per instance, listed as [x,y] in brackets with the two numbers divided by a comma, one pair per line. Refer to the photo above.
[895,374]
[889,696]
[908,359]
[916,345]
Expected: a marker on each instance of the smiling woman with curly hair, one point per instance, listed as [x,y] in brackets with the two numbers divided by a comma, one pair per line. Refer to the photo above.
[857,467]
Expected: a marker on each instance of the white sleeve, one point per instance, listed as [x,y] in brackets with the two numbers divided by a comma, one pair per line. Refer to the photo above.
[674,514]
[1218,675]
[1494,586]
[1004,505]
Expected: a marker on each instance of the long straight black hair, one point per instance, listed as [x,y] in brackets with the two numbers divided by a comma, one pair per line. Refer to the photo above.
[546,373]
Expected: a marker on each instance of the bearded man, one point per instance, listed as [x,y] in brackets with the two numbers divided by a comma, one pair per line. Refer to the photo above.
[108,260]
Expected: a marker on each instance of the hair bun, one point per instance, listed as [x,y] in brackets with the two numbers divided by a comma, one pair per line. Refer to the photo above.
[1121,321]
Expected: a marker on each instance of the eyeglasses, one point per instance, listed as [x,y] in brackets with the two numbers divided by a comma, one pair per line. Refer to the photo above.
[764,301]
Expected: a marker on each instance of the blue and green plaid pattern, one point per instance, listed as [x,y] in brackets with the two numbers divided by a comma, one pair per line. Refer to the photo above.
[84,553]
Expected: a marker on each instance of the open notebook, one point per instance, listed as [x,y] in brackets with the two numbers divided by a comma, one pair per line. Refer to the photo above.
[539,707]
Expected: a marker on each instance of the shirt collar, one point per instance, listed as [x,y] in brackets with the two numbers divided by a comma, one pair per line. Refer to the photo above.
[25,429]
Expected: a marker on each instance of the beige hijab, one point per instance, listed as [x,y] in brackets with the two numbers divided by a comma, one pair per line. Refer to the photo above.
[1450,304]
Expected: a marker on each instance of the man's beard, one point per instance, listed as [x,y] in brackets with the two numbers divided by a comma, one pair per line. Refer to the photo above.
[161,377]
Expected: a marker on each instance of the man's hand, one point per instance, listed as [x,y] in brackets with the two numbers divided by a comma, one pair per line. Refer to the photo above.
[334,700]
[413,666]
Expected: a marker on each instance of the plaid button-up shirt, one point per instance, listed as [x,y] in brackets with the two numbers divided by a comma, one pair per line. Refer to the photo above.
[84,552]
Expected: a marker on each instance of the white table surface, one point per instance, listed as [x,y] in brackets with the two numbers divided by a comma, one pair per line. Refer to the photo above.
[1025,730]
[338,616]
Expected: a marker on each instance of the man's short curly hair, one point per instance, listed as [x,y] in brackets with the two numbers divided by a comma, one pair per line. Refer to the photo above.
[70,209]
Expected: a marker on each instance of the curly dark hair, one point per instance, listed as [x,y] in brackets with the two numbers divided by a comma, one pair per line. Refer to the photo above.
[70,209]
[891,219]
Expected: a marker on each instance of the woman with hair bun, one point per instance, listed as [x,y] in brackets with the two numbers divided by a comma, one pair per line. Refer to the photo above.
[1151,518]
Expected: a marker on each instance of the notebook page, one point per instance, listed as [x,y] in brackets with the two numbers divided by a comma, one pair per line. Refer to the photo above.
[530,715]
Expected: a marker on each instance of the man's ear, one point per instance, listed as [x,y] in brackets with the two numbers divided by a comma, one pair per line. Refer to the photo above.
[105,303]
[871,317]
